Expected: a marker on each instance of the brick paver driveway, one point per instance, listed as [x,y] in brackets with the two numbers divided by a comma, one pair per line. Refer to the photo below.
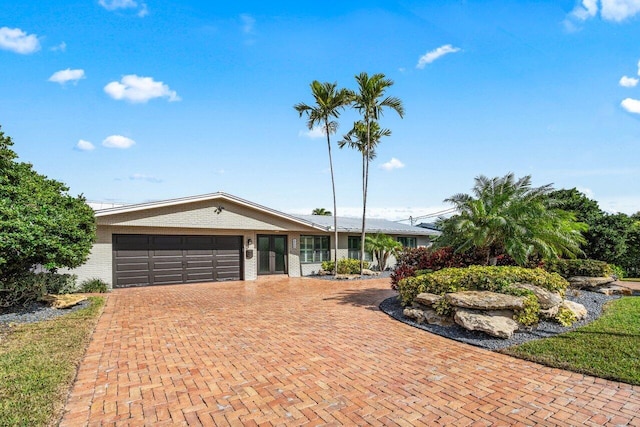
[303,351]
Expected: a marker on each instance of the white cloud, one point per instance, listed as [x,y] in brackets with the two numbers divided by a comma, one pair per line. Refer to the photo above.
[431,56]
[138,89]
[628,81]
[125,4]
[118,141]
[83,145]
[16,40]
[143,177]
[610,10]
[316,132]
[631,105]
[619,10]
[62,47]
[68,75]
[392,164]
[585,10]
[248,23]
[586,191]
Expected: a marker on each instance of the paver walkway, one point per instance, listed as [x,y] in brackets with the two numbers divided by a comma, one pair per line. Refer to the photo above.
[282,351]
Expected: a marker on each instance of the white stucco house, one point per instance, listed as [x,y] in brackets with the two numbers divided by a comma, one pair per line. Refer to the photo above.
[216,237]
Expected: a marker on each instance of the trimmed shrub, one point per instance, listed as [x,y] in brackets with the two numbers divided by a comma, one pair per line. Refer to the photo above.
[496,279]
[579,267]
[618,271]
[328,265]
[350,266]
[93,285]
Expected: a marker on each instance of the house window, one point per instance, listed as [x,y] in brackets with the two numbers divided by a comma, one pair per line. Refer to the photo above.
[408,242]
[353,245]
[314,249]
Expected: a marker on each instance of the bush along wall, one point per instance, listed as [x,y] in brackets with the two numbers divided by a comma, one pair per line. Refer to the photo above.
[579,267]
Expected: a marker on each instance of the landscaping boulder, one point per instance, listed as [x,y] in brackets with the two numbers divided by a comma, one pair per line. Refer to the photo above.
[613,289]
[485,300]
[63,301]
[550,313]
[495,323]
[578,309]
[367,272]
[582,282]
[427,299]
[347,276]
[546,299]
[427,315]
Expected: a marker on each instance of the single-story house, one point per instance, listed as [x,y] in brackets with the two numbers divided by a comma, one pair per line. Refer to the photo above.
[216,237]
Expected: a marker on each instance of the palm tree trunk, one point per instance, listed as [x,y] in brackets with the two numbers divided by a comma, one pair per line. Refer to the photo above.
[365,183]
[335,213]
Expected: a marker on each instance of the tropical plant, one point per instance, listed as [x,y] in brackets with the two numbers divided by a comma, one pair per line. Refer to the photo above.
[40,223]
[370,101]
[382,247]
[321,212]
[329,101]
[509,216]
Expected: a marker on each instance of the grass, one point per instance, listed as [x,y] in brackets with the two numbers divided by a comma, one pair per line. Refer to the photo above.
[631,279]
[609,347]
[38,364]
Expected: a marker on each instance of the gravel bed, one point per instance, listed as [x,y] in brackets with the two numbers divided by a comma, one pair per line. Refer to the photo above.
[593,302]
[36,312]
[382,275]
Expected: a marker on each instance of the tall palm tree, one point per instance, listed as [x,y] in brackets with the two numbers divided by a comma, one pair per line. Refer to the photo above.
[329,101]
[370,101]
[508,216]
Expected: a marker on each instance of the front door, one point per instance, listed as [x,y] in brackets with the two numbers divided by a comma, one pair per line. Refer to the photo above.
[272,254]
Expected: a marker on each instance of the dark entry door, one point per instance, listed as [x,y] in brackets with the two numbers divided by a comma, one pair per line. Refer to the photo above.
[272,254]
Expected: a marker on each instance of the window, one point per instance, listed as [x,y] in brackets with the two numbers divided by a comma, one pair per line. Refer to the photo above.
[314,249]
[408,242]
[353,245]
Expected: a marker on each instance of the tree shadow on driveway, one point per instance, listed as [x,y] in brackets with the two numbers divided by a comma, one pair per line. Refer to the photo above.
[368,298]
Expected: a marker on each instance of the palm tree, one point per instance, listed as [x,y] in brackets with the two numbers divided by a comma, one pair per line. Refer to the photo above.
[382,246]
[329,101]
[321,212]
[508,216]
[370,101]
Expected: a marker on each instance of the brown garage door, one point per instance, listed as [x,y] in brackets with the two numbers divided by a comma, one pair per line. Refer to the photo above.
[143,260]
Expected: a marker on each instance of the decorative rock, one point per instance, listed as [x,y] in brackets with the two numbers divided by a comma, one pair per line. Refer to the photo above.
[550,313]
[62,301]
[427,315]
[347,276]
[614,290]
[589,282]
[497,324]
[367,272]
[578,309]
[427,299]
[485,300]
[546,298]
[415,314]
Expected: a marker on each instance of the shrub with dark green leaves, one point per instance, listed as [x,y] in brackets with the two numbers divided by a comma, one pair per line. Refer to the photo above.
[579,267]
[21,290]
[94,285]
[350,266]
[59,284]
[496,279]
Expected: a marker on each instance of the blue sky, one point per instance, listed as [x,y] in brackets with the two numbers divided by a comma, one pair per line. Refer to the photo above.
[130,100]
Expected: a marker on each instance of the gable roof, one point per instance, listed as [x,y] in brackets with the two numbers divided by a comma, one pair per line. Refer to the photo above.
[318,222]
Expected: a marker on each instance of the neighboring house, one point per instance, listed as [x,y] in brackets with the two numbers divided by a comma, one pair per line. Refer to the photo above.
[216,237]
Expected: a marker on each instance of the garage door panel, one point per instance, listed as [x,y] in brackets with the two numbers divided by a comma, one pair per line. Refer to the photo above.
[142,260]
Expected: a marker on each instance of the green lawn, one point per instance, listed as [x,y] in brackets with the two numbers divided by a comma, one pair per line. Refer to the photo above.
[38,364]
[608,348]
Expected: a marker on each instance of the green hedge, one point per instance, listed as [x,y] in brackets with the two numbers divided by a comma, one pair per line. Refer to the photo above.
[350,266]
[496,279]
[579,267]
